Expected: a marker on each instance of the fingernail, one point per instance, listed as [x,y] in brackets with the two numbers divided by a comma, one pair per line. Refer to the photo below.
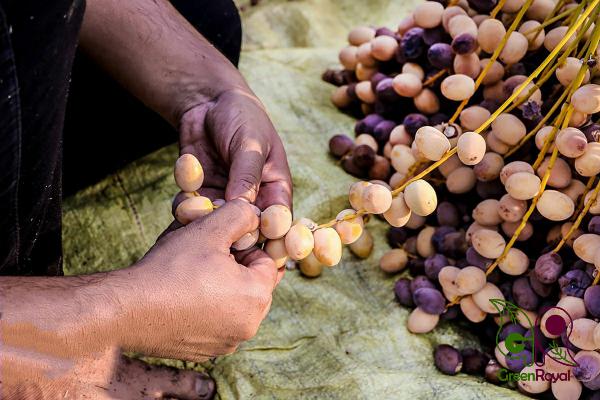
[205,387]
[218,202]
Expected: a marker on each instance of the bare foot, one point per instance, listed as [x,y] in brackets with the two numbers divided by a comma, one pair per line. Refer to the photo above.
[134,379]
[105,375]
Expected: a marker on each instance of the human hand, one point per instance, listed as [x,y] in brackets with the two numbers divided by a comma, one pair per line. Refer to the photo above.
[186,80]
[238,148]
[194,300]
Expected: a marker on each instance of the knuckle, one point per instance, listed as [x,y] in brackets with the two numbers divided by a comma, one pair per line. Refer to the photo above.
[226,349]
[198,358]
[241,205]
[248,331]
[259,293]
[263,301]
[230,349]
[244,210]
[270,263]
[249,182]
[200,231]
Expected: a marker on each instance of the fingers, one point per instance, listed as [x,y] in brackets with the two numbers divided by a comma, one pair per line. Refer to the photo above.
[242,257]
[194,140]
[261,266]
[276,187]
[274,193]
[229,222]
[212,193]
[247,162]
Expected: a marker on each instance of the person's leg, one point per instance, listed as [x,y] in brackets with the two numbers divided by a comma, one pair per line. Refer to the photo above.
[106,128]
[37,46]
[218,21]
[10,135]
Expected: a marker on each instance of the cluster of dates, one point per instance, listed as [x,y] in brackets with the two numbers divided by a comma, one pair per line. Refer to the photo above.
[510,213]
[313,246]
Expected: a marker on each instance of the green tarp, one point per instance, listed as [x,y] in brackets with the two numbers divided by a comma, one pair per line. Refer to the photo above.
[340,336]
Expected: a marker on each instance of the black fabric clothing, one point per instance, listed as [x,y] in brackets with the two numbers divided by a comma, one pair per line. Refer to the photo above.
[105,127]
[39,40]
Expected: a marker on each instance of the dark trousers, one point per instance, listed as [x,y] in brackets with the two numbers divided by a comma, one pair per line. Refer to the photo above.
[47,140]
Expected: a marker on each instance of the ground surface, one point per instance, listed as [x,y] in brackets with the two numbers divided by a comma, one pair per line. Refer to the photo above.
[340,336]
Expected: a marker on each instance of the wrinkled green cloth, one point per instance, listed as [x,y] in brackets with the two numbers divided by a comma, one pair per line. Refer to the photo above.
[342,335]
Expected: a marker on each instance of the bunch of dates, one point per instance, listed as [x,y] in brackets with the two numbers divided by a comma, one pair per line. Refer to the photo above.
[480,117]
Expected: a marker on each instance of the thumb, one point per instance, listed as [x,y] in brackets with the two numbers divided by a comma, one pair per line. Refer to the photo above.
[229,222]
[247,163]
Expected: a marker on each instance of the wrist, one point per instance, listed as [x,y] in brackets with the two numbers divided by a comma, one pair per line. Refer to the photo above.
[230,98]
[107,299]
[203,91]
[206,94]
[136,313]
[61,317]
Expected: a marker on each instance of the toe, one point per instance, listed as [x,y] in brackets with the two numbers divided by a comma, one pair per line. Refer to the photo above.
[139,380]
[205,387]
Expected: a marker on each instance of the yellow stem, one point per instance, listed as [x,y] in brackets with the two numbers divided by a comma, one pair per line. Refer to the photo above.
[588,43]
[425,172]
[348,217]
[567,112]
[588,24]
[525,218]
[547,74]
[557,7]
[550,21]
[581,202]
[580,35]
[518,91]
[539,126]
[594,40]
[497,9]
[544,63]
[410,173]
[577,222]
[493,58]
[432,79]
[570,17]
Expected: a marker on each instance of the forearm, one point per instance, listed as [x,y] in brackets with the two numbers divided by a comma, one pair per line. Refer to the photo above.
[47,324]
[156,54]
